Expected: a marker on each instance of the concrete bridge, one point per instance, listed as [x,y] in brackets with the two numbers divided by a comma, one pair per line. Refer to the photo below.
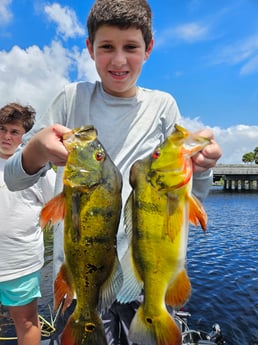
[237,176]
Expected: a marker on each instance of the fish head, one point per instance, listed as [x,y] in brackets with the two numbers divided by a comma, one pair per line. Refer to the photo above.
[170,165]
[84,166]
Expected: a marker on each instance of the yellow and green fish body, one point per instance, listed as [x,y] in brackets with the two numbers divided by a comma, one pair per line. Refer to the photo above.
[157,215]
[91,205]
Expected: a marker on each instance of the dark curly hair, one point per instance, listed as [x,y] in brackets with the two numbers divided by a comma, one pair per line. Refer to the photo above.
[15,112]
[121,13]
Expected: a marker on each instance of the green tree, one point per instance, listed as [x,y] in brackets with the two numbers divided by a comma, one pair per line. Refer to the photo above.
[256,155]
[248,157]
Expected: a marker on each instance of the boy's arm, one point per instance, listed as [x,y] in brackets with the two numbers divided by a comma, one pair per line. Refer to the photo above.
[32,161]
[202,182]
[14,175]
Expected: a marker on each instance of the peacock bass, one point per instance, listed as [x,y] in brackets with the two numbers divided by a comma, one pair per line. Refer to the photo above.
[157,215]
[90,205]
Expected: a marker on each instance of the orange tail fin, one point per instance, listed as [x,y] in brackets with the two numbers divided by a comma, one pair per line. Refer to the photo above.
[156,330]
[53,211]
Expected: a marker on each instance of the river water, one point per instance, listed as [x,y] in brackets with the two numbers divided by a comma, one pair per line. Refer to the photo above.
[222,265]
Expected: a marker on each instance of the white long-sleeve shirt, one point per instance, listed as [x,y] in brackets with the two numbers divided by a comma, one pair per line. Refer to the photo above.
[21,238]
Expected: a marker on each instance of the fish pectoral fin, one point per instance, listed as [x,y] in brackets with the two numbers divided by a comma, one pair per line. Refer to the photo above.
[179,291]
[53,211]
[111,287]
[197,214]
[174,219]
[63,290]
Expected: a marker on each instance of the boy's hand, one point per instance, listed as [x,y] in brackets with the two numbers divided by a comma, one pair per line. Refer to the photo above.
[45,146]
[207,158]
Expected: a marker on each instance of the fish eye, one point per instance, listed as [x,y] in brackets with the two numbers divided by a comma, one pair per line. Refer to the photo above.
[156,154]
[100,155]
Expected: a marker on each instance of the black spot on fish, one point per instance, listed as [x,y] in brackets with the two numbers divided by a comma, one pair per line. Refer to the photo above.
[91,268]
[89,327]
[91,240]
[147,206]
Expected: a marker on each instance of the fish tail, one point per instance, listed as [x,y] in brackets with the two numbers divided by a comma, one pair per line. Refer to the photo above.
[53,211]
[81,332]
[158,330]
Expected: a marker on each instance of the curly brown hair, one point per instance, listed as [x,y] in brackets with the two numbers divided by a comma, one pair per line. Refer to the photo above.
[121,13]
[15,112]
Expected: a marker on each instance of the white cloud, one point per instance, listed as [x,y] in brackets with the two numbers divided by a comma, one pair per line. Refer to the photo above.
[234,141]
[34,76]
[243,52]
[5,13]
[188,32]
[86,66]
[250,67]
[191,32]
[67,23]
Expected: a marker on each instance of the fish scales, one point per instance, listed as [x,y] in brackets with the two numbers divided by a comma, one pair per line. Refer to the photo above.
[91,205]
[157,216]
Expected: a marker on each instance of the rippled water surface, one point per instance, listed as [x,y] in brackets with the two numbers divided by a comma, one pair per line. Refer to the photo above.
[222,265]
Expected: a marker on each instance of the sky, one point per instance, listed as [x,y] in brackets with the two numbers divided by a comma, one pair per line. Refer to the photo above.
[205,55]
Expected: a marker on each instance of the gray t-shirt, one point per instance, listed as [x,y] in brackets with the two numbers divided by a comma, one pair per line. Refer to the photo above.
[128,128]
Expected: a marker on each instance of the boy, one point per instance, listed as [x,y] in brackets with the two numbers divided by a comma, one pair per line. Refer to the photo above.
[131,121]
[21,238]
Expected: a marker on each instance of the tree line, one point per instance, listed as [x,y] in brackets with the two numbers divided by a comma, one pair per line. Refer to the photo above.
[251,157]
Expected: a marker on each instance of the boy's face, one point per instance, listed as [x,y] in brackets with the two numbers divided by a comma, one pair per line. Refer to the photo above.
[10,137]
[119,55]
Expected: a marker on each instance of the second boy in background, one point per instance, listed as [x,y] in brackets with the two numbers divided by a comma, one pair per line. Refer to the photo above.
[21,238]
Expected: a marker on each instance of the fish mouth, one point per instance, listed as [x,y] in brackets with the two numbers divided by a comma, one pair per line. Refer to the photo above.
[194,144]
[85,133]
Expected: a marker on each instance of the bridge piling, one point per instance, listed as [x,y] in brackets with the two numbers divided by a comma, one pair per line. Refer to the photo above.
[237,177]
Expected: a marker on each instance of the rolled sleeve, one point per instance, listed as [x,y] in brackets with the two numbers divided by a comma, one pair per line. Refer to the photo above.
[202,183]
